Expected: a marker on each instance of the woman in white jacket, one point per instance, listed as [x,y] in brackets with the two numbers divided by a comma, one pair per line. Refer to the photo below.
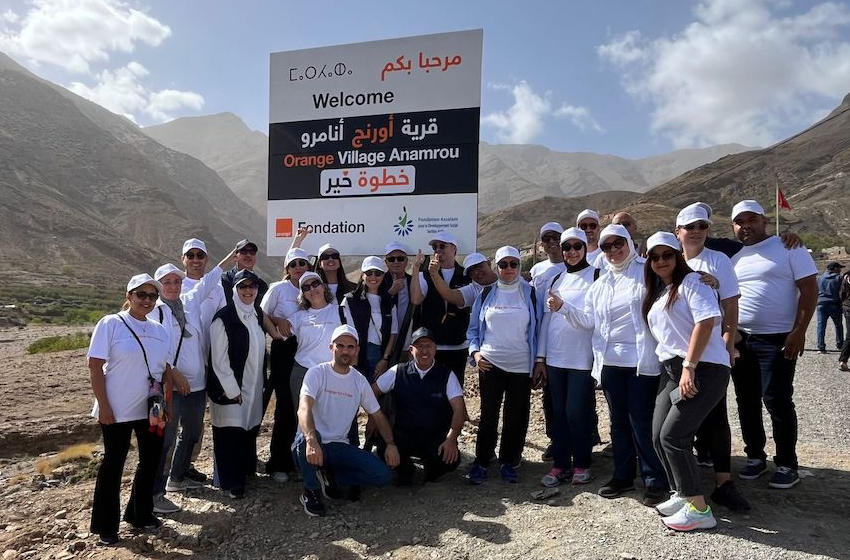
[624,361]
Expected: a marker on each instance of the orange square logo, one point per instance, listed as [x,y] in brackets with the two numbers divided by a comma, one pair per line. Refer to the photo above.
[283,227]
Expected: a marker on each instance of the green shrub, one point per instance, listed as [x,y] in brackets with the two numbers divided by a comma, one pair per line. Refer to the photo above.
[59,343]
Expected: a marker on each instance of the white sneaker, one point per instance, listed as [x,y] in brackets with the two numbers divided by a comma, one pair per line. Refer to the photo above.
[672,505]
[689,519]
[180,485]
[280,477]
[161,504]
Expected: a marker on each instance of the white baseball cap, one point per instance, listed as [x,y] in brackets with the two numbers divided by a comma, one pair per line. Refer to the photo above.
[587,213]
[395,246]
[471,260]
[692,213]
[574,233]
[325,248]
[141,280]
[373,263]
[308,276]
[663,238]
[551,226]
[194,243]
[507,251]
[293,254]
[614,230]
[167,269]
[344,330]
[747,206]
[445,237]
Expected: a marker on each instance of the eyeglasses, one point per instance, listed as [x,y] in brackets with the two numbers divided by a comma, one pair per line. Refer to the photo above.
[307,287]
[437,246]
[329,256]
[505,264]
[617,244]
[665,256]
[247,252]
[572,246]
[396,259]
[247,286]
[374,273]
[422,347]
[200,255]
[589,225]
[297,263]
[702,226]
[549,238]
[145,295]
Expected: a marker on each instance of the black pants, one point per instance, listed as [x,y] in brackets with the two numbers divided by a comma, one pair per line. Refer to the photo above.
[283,432]
[423,446]
[496,385]
[107,491]
[714,438]
[455,360]
[235,450]
[845,350]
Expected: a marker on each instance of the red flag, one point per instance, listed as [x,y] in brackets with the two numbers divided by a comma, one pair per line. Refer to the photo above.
[781,201]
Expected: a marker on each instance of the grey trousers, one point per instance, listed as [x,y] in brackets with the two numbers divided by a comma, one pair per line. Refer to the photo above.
[295,381]
[674,426]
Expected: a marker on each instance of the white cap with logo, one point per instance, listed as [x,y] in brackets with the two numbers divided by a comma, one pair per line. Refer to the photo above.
[193,243]
[587,213]
[373,263]
[345,330]
[747,206]
[394,246]
[692,213]
[507,251]
[445,237]
[552,226]
[471,260]
[294,254]
[141,280]
[167,269]
[663,238]
[325,248]
[574,233]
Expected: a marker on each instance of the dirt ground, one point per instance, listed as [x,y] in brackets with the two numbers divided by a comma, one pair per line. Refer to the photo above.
[46,403]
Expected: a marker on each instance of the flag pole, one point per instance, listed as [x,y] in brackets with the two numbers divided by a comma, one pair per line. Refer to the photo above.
[776,201]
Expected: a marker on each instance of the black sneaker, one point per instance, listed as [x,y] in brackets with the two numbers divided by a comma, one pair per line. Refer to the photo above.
[608,451]
[194,474]
[754,469]
[150,525]
[330,490]
[237,493]
[704,460]
[312,502]
[547,455]
[354,494]
[615,487]
[727,495]
[108,540]
[784,478]
[654,496]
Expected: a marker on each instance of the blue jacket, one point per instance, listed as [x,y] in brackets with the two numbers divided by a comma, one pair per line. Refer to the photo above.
[829,283]
[478,326]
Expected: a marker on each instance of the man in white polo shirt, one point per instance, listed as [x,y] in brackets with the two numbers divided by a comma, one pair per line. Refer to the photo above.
[588,222]
[778,297]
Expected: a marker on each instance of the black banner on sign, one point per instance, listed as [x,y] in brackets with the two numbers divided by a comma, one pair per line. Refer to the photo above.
[432,152]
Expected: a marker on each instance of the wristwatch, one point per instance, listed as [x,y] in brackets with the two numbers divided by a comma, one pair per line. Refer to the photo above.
[686,364]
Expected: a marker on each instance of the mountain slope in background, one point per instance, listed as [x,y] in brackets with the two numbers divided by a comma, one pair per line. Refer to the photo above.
[84,190]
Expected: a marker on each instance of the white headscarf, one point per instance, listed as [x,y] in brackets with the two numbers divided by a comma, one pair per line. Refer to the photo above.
[246,310]
[612,230]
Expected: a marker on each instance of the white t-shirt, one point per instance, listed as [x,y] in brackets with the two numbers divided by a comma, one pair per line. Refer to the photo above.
[566,346]
[386,382]
[376,319]
[337,396]
[125,371]
[313,328]
[621,349]
[447,274]
[543,272]
[767,274]
[720,266]
[470,292]
[505,343]
[281,300]
[594,256]
[672,328]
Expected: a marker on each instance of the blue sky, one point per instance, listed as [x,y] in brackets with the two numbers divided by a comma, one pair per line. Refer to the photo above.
[631,78]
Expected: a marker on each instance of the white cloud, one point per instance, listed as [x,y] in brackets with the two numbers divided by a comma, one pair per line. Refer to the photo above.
[743,71]
[525,119]
[122,92]
[74,34]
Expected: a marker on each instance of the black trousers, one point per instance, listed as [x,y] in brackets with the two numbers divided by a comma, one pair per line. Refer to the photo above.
[283,431]
[715,438]
[105,514]
[455,360]
[423,446]
[235,452]
[496,385]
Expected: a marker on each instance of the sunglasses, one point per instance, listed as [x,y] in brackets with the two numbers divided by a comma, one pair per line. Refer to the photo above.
[665,256]
[145,295]
[374,273]
[200,255]
[572,246]
[618,244]
[396,259]
[549,238]
[505,264]
[297,263]
[247,252]
[587,226]
[329,256]
[702,226]
[307,287]
[439,246]
[247,286]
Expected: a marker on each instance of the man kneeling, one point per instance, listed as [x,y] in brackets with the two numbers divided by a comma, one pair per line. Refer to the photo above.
[429,410]
[330,396]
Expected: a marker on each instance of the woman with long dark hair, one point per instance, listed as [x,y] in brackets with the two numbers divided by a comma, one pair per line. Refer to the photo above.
[684,317]
[330,270]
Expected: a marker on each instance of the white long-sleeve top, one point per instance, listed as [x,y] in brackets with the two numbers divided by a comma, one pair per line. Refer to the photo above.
[563,344]
[250,412]
[596,315]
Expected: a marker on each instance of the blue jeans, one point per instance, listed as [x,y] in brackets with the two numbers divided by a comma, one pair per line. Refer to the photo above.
[351,465]
[573,403]
[830,311]
[188,413]
[631,401]
[373,356]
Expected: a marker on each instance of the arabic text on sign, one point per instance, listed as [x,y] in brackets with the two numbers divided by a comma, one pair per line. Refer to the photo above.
[367,181]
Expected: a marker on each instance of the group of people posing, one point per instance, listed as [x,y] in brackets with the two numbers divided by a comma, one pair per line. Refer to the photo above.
[661,334]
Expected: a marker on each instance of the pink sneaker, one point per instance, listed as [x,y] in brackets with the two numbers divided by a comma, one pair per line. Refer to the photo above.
[581,476]
[554,478]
